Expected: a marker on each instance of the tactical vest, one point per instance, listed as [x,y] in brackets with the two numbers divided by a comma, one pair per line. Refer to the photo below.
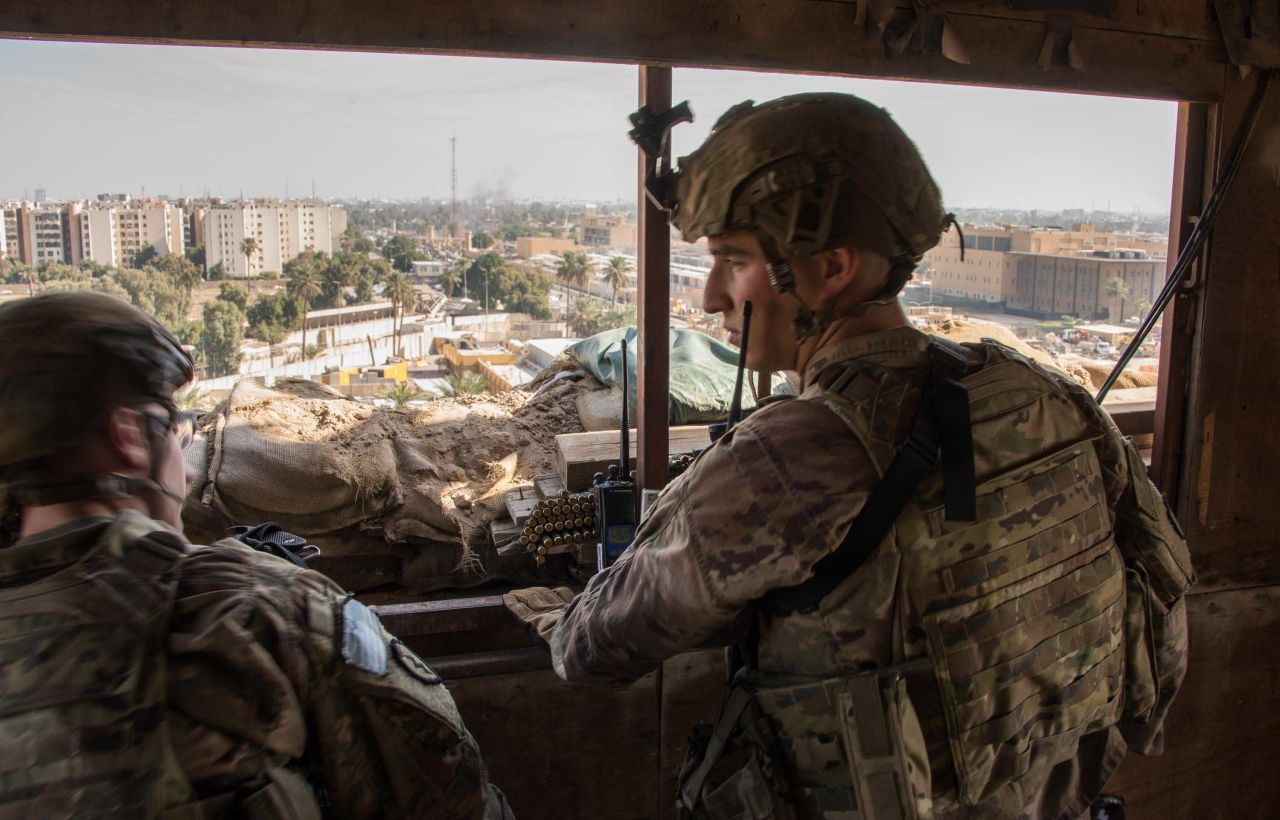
[1044,621]
[83,714]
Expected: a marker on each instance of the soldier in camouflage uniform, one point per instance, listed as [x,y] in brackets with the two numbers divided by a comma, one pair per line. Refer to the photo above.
[141,676]
[993,663]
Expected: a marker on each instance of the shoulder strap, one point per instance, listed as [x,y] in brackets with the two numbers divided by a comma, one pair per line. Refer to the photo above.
[941,423]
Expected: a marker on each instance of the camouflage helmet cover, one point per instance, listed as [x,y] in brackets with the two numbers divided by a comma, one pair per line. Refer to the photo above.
[67,357]
[815,172]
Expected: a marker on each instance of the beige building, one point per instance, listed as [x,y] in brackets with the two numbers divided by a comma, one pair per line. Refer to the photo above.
[281,229]
[988,271]
[528,247]
[1104,285]
[113,234]
[612,232]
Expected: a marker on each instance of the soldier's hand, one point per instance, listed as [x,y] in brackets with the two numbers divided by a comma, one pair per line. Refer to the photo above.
[539,608]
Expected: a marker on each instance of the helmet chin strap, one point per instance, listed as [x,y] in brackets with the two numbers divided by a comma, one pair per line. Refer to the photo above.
[809,322]
[108,487]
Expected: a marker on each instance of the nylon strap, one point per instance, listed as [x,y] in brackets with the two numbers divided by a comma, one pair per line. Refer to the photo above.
[942,419]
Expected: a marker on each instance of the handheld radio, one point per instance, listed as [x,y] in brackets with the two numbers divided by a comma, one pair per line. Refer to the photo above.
[616,495]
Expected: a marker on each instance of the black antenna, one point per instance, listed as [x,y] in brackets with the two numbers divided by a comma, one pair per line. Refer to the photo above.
[623,458]
[735,408]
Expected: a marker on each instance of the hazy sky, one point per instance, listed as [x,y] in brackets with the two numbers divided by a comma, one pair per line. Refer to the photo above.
[83,119]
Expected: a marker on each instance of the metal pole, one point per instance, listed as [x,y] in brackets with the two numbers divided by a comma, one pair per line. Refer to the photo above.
[653,275]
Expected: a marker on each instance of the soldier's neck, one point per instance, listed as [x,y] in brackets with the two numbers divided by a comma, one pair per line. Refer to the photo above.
[877,318]
[36,520]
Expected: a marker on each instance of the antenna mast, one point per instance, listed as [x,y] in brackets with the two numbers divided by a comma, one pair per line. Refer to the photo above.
[453,209]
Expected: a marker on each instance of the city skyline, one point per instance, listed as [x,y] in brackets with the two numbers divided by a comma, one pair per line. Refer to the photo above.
[180,121]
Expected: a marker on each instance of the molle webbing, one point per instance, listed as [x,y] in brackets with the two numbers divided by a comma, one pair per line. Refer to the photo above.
[941,423]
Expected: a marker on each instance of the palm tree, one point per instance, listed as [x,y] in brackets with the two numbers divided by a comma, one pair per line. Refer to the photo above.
[304,285]
[615,276]
[404,392]
[1116,290]
[574,269]
[452,277]
[249,247]
[469,383]
[404,297]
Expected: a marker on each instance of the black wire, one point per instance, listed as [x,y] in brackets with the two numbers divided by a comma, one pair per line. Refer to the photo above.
[1199,234]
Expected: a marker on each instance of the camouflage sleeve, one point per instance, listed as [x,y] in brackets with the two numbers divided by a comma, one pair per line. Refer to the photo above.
[272,666]
[754,512]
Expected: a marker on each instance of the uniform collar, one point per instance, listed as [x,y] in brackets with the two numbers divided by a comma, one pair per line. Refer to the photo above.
[904,339]
[49,551]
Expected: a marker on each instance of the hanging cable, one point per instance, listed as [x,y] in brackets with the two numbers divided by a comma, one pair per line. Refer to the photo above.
[1199,234]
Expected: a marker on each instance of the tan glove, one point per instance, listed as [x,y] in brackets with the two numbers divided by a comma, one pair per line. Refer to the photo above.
[539,608]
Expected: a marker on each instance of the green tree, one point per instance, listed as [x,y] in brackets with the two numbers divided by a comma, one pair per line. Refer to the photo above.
[402,251]
[353,240]
[453,276]
[1142,306]
[179,270]
[1117,290]
[272,318]
[217,272]
[161,296]
[404,392]
[248,247]
[304,285]
[518,291]
[142,257]
[469,383]
[195,255]
[574,269]
[403,298]
[222,336]
[481,240]
[235,294]
[587,317]
[615,275]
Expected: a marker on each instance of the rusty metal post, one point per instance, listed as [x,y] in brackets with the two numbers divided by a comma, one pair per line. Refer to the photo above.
[653,273]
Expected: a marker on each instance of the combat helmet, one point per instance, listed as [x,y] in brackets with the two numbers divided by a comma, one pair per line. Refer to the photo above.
[810,172]
[66,359]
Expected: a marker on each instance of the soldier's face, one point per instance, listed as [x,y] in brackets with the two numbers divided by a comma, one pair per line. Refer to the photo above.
[739,275]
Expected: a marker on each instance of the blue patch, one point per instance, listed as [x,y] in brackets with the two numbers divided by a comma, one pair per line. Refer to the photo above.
[362,643]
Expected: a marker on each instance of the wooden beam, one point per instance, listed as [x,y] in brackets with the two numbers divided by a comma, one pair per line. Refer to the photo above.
[806,36]
[654,297]
[579,456]
[1231,466]
[1189,183]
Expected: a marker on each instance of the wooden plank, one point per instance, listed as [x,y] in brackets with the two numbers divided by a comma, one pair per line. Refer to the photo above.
[563,751]
[503,532]
[653,319]
[786,35]
[1172,18]
[579,456]
[1232,456]
[1190,166]
[1222,737]
[520,503]
[549,486]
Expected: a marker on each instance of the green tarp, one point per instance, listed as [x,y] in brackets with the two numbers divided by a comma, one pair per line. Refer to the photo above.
[701,374]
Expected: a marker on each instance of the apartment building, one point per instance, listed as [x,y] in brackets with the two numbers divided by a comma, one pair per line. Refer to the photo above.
[114,233]
[9,235]
[281,230]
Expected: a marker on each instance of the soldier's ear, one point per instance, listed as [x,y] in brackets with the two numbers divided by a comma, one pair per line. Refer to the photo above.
[126,440]
[840,268]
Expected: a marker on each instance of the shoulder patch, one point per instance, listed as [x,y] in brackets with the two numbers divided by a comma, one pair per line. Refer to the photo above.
[415,666]
[363,645]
